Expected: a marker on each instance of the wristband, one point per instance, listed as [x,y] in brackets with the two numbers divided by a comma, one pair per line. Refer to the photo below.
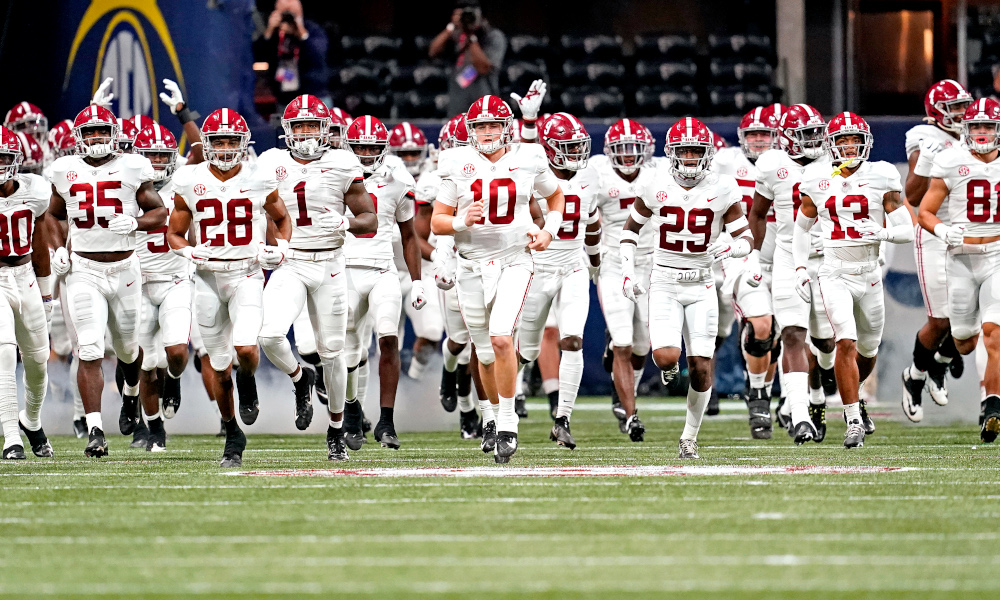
[450,27]
[458,224]
[186,115]
[529,132]
[553,221]
[592,250]
[45,285]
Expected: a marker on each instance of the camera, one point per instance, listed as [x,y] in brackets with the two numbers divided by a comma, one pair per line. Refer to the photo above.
[471,18]
[288,17]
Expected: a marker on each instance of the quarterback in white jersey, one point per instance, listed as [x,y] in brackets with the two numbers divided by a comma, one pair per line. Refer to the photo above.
[24,306]
[167,296]
[225,200]
[852,197]
[315,184]
[758,133]
[101,193]
[561,282]
[934,351]
[969,178]
[483,202]
[374,294]
[688,206]
[625,168]
[779,175]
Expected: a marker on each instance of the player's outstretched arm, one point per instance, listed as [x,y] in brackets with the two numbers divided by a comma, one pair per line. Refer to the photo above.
[40,261]
[927,217]
[57,210]
[154,214]
[916,185]
[422,227]
[758,219]
[360,202]
[411,250]
[274,206]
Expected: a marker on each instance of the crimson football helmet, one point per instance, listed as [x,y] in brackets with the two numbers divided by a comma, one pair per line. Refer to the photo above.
[225,123]
[34,156]
[945,103]
[685,136]
[845,124]
[141,122]
[628,144]
[802,132]
[410,144]
[983,115]
[28,118]
[365,133]
[10,149]
[758,121]
[339,122]
[160,146]
[58,130]
[454,133]
[126,135]
[566,142]
[307,145]
[103,121]
[490,109]
[64,145]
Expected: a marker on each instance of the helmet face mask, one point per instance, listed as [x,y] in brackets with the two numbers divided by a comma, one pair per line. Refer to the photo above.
[627,156]
[755,141]
[689,162]
[96,140]
[368,139]
[982,137]
[10,161]
[225,150]
[852,147]
[810,140]
[488,136]
[489,124]
[164,162]
[308,137]
[952,112]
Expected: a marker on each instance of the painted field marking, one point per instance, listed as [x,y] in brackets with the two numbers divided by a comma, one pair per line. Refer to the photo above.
[586,471]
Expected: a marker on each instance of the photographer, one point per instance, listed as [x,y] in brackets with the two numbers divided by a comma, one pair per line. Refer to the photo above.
[295,51]
[478,49]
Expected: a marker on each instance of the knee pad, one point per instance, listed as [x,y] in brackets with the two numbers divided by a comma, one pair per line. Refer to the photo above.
[776,350]
[149,361]
[866,350]
[526,355]
[752,345]
[91,351]
[271,341]
[8,358]
[485,355]
[220,359]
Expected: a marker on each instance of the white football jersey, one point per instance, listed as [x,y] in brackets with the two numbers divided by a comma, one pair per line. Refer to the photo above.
[94,194]
[581,193]
[505,188]
[311,189]
[391,190]
[427,187]
[973,191]
[686,222]
[778,180]
[228,215]
[841,202]
[932,132]
[615,199]
[732,161]
[19,211]
[155,257]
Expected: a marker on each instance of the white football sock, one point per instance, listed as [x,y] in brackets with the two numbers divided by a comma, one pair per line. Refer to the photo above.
[130,390]
[450,360]
[352,385]
[335,372]
[550,385]
[8,396]
[637,374]
[817,396]
[94,420]
[797,395]
[336,424]
[363,382]
[757,380]
[519,379]
[506,417]
[570,374]
[465,403]
[697,402]
[825,359]
[36,383]
[853,412]
[486,407]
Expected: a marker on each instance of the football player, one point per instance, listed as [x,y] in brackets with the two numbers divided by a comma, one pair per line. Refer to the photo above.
[225,199]
[24,261]
[101,193]
[561,281]
[934,350]
[27,118]
[968,179]
[314,182]
[374,294]
[689,207]
[484,203]
[857,204]
[626,167]
[757,133]
[802,133]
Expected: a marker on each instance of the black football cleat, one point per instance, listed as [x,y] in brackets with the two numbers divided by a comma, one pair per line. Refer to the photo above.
[828,380]
[804,432]
[15,452]
[489,442]
[80,427]
[39,443]
[171,399]
[366,425]
[561,435]
[957,366]
[783,420]
[246,386]
[157,439]
[991,420]
[635,428]
[759,407]
[128,418]
[519,407]
[817,414]
[469,425]
[912,397]
[448,392]
[506,446]
[713,404]
[303,399]
[668,375]
[97,446]
[385,434]
[236,443]
[321,394]
[869,425]
[140,436]
[336,448]
[353,432]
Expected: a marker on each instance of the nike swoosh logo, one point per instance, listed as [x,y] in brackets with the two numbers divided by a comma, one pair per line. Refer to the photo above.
[334,274]
[244,191]
[708,287]
[876,283]
[129,284]
[583,187]
[32,284]
[112,172]
[710,199]
[383,185]
[250,275]
[513,168]
[862,184]
[324,170]
[177,283]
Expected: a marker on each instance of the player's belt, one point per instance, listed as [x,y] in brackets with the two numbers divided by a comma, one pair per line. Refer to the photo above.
[385,264]
[313,255]
[987,248]
[107,268]
[510,252]
[844,267]
[243,264]
[767,267]
[686,275]
[164,277]
[15,271]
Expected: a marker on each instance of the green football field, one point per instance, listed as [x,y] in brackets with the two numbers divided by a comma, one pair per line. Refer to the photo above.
[175,525]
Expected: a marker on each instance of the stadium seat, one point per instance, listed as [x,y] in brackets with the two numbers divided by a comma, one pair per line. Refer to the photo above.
[528,48]
[414,105]
[665,47]
[351,48]
[742,46]
[430,78]
[727,71]
[652,102]
[368,103]
[596,47]
[379,47]
[593,102]
[731,100]
[364,77]
[520,74]
[605,73]
[674,74]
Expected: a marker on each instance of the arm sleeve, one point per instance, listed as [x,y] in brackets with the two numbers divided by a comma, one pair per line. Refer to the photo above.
[900,227]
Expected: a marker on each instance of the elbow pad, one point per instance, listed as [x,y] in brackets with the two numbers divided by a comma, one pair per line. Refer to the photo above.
[733,226]
[900,226]
[641,220]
